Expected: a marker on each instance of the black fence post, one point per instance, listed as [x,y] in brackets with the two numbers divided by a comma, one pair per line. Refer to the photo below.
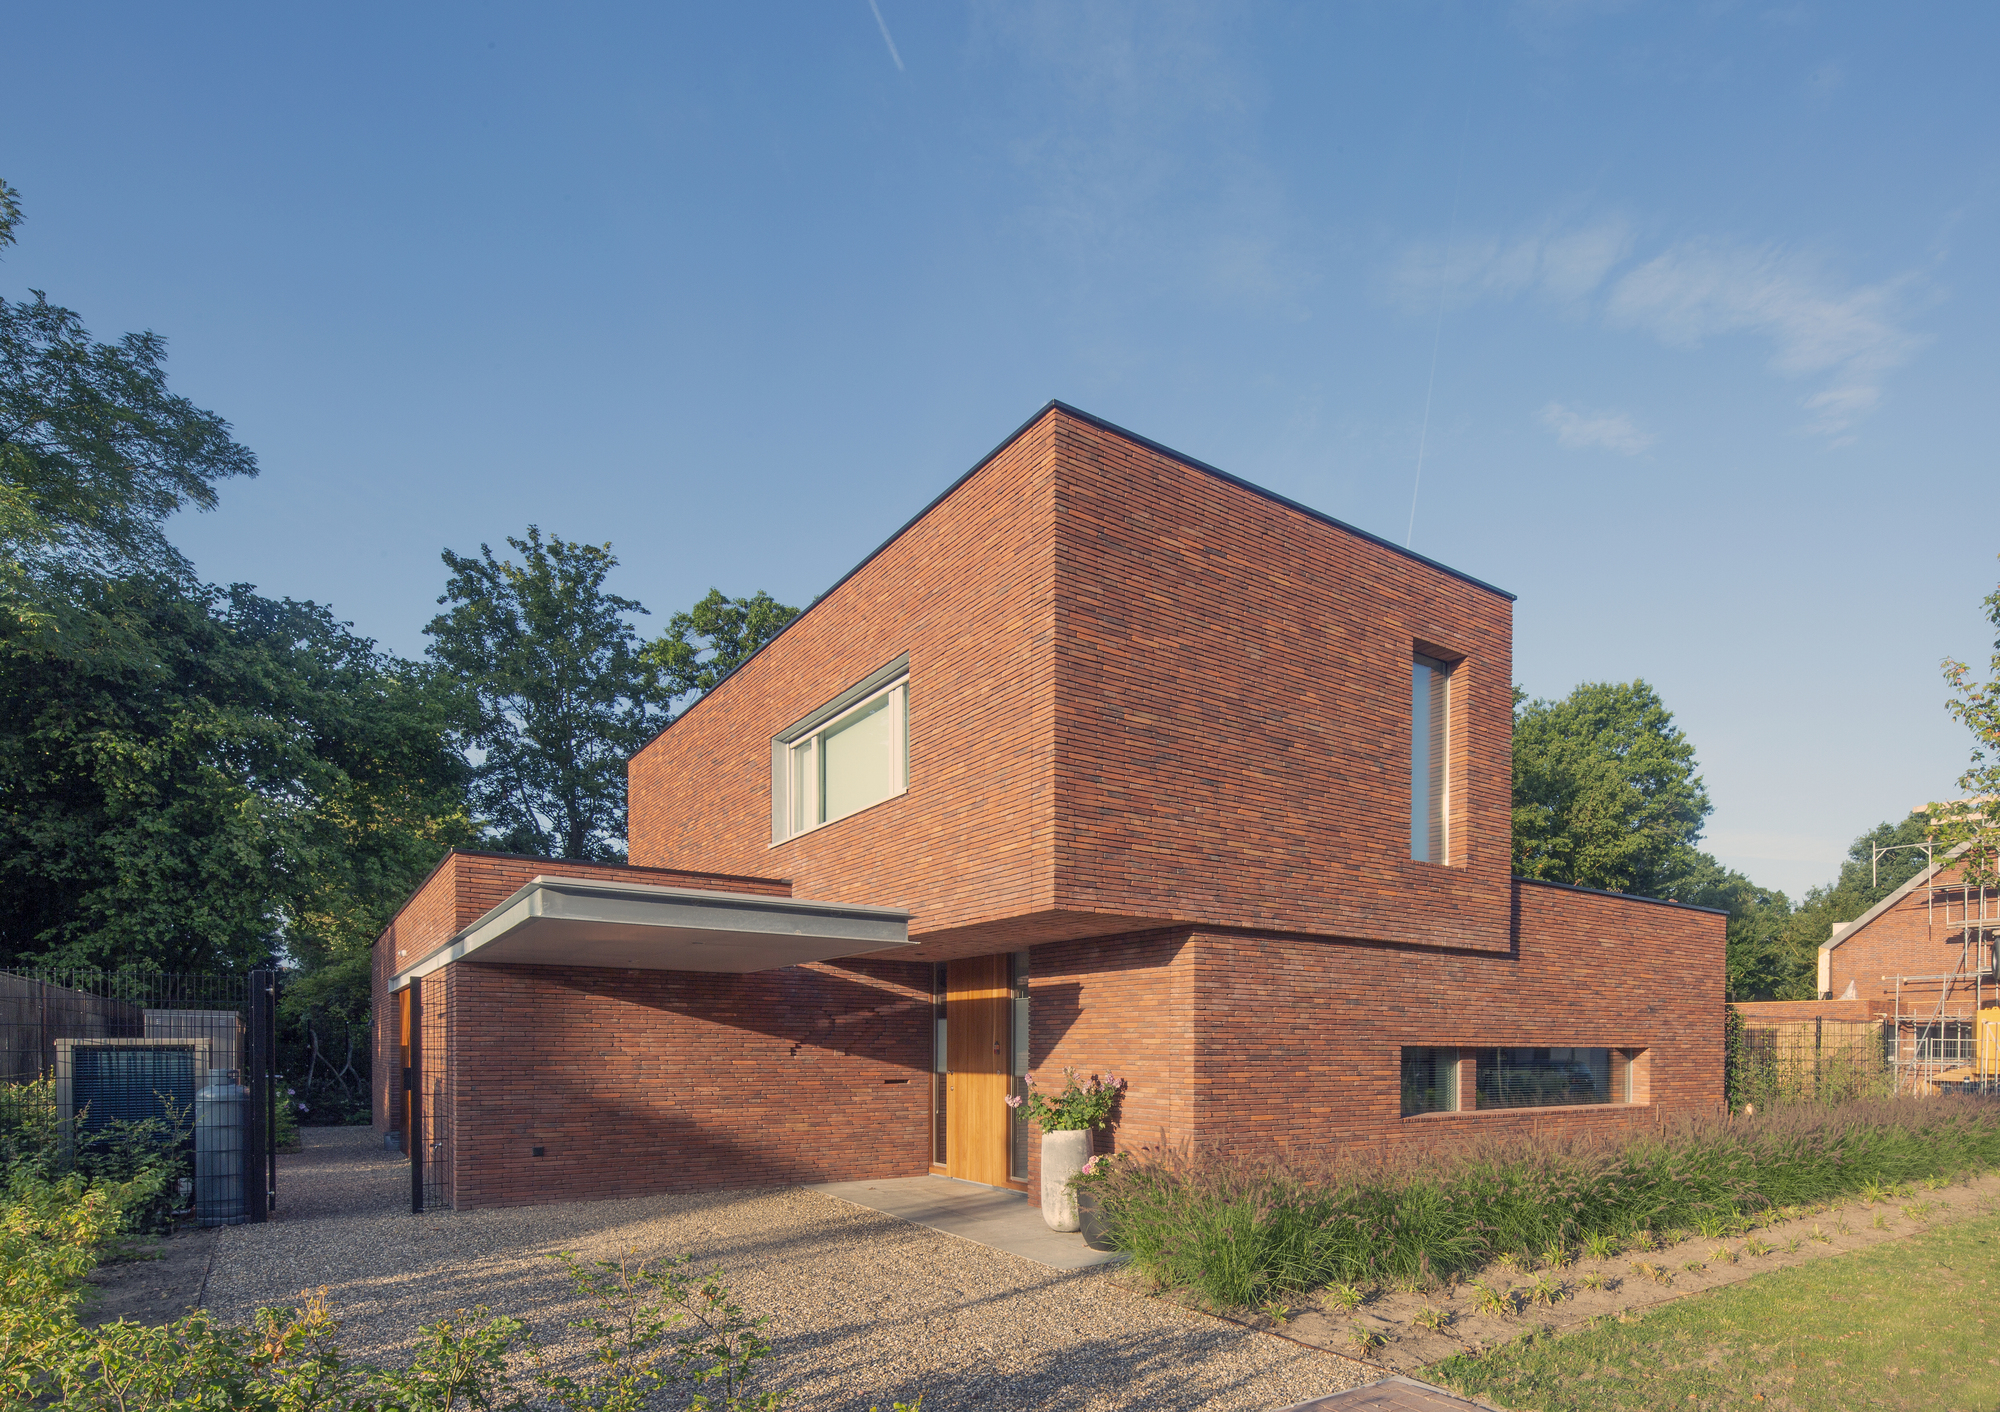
[269,1164]
[258,1081]
[413,1106]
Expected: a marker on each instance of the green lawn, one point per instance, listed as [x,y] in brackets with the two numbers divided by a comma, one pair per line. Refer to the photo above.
[1904,1325]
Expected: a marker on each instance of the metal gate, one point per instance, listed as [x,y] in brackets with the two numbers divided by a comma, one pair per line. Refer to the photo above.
[101,1060]
[427,1095]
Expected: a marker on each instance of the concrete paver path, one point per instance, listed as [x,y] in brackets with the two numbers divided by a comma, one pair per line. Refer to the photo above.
[1001,1220]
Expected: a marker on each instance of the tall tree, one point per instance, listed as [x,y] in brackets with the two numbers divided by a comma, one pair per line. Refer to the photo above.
[1757,961]
[259,784]
[1975,821]
[95,454]
[1605,791]
[710,640]
[558,695]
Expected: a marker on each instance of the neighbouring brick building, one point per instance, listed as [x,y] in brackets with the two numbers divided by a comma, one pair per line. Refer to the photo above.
[1109,760]
[1922,964]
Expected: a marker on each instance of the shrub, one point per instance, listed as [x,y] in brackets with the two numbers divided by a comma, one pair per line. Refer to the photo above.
[653,1331]
[1236,1231]
[142,1159]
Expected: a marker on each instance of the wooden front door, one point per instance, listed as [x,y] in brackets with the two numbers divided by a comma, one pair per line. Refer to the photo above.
[976,1116]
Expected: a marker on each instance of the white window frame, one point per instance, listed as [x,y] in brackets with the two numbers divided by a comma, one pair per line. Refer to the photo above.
[795,755]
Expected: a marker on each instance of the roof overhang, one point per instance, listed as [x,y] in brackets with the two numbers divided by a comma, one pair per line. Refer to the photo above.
[558,921]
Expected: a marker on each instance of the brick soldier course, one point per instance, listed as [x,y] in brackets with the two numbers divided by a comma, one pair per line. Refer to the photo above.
[1159,740]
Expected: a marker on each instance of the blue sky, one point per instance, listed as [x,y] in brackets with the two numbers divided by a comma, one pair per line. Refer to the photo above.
[1687,306]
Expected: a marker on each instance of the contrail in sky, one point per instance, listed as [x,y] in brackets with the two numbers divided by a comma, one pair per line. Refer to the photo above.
[884,27]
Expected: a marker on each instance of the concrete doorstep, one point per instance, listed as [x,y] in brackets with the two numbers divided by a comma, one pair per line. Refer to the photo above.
[989,1216]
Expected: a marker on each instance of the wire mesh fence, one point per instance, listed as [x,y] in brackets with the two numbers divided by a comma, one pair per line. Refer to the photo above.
[96,1065]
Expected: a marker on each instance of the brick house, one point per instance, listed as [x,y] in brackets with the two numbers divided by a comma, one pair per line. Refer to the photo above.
[1922,964]
[1107,759]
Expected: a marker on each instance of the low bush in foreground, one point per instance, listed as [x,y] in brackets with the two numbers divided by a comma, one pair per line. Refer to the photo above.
[1236,1231]
[664,1336]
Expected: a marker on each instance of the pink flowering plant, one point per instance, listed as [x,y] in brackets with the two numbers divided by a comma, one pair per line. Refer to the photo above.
[1099,1168]
[1083,1102]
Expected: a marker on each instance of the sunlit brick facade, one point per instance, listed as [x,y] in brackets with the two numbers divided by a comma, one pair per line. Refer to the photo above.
[1157,751]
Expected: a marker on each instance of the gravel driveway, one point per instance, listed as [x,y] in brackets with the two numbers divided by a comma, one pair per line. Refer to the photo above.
[864,1308]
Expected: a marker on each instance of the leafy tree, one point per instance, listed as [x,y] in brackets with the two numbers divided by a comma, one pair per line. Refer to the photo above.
[1758,917]
[1774,945]
[558,694]
[260,783]
[710,640]
[95,454]
[1605,791]
[1977,707]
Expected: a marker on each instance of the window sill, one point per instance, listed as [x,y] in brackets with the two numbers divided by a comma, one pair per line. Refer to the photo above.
[1510,1112]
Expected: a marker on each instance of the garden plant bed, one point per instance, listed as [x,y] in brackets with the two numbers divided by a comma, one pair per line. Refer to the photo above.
[1538,1296]
[1904,1326]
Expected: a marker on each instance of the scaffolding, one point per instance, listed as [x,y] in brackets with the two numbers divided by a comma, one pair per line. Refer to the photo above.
[1952,1047]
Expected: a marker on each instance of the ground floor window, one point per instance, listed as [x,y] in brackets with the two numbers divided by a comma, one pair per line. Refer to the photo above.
[1019,1132]
[1430,1081]
[1435,1078]
[1542,1078]
[940,1085]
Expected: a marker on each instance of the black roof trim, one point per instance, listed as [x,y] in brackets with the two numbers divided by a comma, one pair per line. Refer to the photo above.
[1625,896]
[1056,404]
[1270,495]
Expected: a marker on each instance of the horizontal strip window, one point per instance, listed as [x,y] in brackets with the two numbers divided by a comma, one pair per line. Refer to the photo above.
[1430,1081]
[1434,1079]
[847,756]
[1543,1078]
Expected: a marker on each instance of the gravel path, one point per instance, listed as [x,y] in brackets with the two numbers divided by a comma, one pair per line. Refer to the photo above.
[864,1308]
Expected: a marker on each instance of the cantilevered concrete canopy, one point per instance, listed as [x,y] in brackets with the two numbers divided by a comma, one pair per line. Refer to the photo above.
[558,921]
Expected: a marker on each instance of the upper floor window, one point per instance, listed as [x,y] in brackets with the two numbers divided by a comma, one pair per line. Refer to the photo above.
[1430,715]
[851,753]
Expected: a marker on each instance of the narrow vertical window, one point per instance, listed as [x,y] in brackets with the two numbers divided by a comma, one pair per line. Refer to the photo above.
[1017,1026]
[940,1084]
[1430,712]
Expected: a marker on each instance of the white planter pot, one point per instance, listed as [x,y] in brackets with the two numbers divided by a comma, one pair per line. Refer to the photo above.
[1063,1156]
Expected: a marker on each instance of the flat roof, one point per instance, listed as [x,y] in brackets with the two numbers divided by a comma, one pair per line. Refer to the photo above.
[561,921]
[1057,405]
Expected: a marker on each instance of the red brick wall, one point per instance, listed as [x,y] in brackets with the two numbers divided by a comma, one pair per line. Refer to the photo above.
[967,593]
[1118,1005]
[1140,693]
[1288,1042]
[646,1081]
[1233,711]
[465,886]
[1914,938]
[1159,730]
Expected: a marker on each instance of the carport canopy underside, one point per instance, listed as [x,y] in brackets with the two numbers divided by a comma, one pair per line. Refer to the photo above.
[558,921]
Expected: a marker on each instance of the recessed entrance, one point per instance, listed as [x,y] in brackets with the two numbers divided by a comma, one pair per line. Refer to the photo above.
[976,1063]
[979,1053]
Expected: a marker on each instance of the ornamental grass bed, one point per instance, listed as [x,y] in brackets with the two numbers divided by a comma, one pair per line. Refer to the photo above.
[1238,1231]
